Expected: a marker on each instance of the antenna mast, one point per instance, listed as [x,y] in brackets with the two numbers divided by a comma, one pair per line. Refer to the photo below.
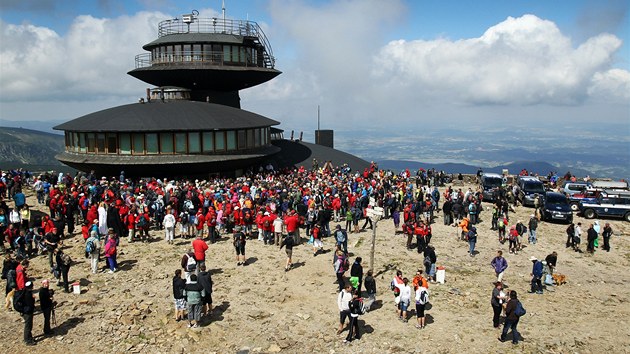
[317,117]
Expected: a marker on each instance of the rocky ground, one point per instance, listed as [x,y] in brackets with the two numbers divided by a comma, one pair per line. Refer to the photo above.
[260,308]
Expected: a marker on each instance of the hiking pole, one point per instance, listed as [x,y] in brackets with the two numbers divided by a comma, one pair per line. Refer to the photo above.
[54,316]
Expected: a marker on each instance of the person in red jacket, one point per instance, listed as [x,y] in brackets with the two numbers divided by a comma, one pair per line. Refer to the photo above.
[199,246]
[200,220]
[130,221]
[20,274]
[267,225]
[336,206]
[211,221]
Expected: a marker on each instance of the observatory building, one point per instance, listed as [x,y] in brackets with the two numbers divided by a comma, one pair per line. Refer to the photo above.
[191,122]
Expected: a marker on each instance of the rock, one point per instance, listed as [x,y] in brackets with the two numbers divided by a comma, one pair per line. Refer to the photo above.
[274,348]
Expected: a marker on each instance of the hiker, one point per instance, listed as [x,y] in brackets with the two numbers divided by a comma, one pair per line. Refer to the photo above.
[194,293]
[92,250]
[47,304]
[422,299]
[277,225]
[205,279]
[591,236]
[239,246]
[577,237]
[110,253]
[63,262]
[340,267]
[9,273]
[356,307]
[288,242]
[189,264]
[200,247]
[178,295]
[342,238]
[356,274]
[169,225]
[551,260]
[464,224]
[472,240]
[403,299]
[497,300]
[511,319]
[430,259]
[570,235]
[27,309]
[343,303]
[533,225]
[608,231]
[537,273]
[317,240]
[499,264]
[370,288]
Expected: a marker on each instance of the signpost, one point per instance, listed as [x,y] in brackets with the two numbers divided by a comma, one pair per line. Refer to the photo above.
[375,214]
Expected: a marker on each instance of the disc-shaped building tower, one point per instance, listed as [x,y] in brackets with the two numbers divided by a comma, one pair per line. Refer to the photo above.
[191,123]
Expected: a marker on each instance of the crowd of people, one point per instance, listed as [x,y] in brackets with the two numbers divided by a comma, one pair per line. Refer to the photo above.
[275,208]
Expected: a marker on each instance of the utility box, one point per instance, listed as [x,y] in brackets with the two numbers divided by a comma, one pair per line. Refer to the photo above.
[325,138]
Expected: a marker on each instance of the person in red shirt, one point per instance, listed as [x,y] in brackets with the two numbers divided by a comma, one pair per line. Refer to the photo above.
[267,225]
[292,221]
[130,221]
[211,220]
[199,246]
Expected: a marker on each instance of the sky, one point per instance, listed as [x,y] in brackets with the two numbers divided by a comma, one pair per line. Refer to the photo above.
[397,66]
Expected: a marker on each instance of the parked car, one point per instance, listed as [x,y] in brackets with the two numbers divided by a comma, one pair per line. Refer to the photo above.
[570,188]
[491,182]
[616,206]
[557,207]
[529,187]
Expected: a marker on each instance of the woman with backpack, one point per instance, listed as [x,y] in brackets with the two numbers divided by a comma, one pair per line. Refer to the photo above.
[511,318]
[194,292]
[422,299]
[110,253]
[341,265]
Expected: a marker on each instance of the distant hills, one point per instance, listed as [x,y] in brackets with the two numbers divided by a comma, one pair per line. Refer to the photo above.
[30,149]
[541,168]
[36,150]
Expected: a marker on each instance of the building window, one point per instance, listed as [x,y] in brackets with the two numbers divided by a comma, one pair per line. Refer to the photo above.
[219,141]
[151,143]
[75,142]
[91,142]
[166,143]
[257,137]
[180,143]
[82,143]
[231,140]
[112,143]
[100,143]
[194,144]
[196,55]
[138,144]
[250,138]
[208,144]
[178,53]
[242,139]
[125,144]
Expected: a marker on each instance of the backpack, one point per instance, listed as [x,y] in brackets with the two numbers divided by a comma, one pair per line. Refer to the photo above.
[89,247]
[266,223]
[362,309]
[424,297]
[191,264]
[142,221]
[65,259]
[18,300]
[519,310]
[341,236]
[196,221]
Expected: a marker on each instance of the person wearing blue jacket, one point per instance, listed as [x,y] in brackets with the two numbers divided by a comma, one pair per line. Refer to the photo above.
[499,263]
[537,271]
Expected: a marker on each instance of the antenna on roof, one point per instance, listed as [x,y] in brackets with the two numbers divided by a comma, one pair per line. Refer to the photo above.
[223,11]
[317,117]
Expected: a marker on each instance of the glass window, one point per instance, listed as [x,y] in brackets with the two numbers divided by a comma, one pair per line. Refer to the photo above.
[138,143]
[100,143]
[125,143]
[231,140]
[152,143]
[91,142]
[242,139]
[66,135]
[257,137]
[250,138]
[242,55]
[219,141]
[82,143]
[75,142]
[166,143]
[226,53]
[180,143]
[196,52]
[194,144]
[187,51]
[178,52]
[112,143]
[208,142]
[169,53]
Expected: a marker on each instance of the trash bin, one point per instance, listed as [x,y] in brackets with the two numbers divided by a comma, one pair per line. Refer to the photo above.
[440,275]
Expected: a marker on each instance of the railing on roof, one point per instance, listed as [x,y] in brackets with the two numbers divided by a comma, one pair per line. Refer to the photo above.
[200,59]
[195,24]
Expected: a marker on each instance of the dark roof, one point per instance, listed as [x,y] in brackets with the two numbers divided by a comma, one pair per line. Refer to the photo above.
[167,116]
[195,38]
[296,153]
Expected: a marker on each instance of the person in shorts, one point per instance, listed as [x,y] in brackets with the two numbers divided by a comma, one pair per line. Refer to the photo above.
[178,295]
[239,245]
[288,243]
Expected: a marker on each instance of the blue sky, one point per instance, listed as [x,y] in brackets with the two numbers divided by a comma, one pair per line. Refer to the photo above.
[426,62]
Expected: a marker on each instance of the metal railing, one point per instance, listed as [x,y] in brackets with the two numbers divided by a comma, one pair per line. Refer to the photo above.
[201,58]
[218,25]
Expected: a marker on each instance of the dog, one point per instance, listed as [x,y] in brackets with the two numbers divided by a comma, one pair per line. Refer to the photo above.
[559,279]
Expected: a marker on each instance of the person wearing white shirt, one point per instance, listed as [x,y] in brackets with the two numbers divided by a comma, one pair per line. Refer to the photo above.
[343,303]
[405,299]
[169,225]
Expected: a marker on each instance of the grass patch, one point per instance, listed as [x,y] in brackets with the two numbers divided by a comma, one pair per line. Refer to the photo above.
[359,242]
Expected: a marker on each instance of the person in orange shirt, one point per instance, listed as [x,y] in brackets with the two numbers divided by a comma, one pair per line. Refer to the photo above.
[464,224]
[419,280]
